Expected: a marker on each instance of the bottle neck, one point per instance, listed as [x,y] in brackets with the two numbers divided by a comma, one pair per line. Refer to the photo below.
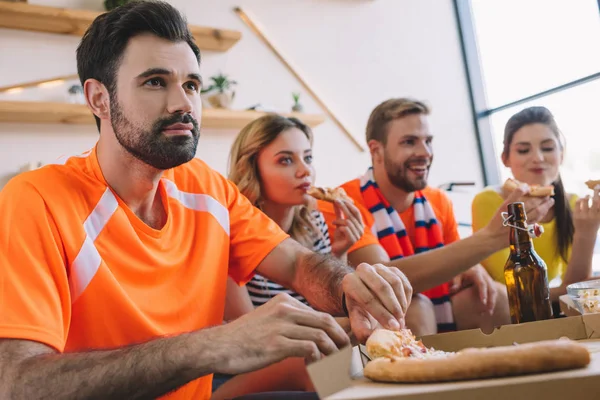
[519,238]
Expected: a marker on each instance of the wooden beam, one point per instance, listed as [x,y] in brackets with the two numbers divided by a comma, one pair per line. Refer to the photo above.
[65,21]
[254,27]
[66,113]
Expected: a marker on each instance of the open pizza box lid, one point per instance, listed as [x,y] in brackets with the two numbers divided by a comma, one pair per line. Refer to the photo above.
[339,376]
[567,306]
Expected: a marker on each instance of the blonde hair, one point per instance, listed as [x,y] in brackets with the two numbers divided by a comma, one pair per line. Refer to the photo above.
[243,168]
[389,111]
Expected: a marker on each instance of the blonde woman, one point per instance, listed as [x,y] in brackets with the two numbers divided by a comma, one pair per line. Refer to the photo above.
[271,163]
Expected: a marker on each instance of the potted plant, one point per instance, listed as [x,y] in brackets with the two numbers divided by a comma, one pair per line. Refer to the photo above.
[220,93]
[297,107]
[76,94]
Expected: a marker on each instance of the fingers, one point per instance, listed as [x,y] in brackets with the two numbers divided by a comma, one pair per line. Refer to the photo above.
[480,284]
[348,235]
[353,212]
[320,322]
[536,208]
[297,348]
[456,284]
[496,224]
[408,289]
[352,215]
[344,322]
[585,205]
[339,213]
[596,199]
[582,208]
[362,325]
[577,207]
[492,295]
[475,277]
[372,293]
[312,333]
[486,288]
[352,220]
[351,228]
[397,285]
[322,341]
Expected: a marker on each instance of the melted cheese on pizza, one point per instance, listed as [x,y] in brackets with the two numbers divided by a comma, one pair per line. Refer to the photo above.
[386,343]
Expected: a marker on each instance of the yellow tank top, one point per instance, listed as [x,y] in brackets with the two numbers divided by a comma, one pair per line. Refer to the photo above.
[485,205]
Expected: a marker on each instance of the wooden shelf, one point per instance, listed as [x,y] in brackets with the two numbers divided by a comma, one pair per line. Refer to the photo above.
[65,113]
[36,18]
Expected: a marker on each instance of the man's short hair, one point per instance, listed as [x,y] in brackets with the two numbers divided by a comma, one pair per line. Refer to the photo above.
[389,111]
[103,44]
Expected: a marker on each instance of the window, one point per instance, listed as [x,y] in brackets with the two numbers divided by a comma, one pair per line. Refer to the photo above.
[536,52]
[526,47]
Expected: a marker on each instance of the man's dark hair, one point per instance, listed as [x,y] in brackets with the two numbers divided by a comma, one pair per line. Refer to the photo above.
[103,44]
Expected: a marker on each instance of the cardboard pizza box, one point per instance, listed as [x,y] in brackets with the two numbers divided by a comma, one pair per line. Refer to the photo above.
[567,306]
[339,376]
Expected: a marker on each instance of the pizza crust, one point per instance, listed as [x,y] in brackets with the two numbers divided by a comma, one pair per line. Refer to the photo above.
[534,190]
[593,183]
[472,363]
[328,194]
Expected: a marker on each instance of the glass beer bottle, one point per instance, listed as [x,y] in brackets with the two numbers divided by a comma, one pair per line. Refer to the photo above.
[525,272]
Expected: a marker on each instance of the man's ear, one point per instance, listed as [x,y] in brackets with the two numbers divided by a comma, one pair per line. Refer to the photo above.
[376,148]
[97,98]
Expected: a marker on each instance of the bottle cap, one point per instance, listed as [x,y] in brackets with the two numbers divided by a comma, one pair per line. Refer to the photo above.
[535,231]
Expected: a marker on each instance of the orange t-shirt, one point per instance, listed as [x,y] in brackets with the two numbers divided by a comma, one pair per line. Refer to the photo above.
[79,270]
[441,204]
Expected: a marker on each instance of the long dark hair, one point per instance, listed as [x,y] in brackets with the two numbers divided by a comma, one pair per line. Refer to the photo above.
[562,209]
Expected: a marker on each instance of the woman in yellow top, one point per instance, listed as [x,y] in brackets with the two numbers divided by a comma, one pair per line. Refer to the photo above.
[534,150]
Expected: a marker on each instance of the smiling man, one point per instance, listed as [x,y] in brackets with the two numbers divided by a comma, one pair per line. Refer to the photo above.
[113,266]
[408,217]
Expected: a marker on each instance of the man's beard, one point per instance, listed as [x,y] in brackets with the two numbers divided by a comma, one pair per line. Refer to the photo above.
[398,175]
[154,147]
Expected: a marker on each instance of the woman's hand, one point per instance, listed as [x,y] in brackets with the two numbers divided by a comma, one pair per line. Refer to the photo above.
[349,227]
[586,214]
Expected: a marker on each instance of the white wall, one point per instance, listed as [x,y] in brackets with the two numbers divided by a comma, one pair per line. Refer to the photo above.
[355,54]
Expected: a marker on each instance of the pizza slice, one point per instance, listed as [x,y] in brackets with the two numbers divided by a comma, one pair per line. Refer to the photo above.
[328,194]
[534,190]
[399,357]
[402,343]
[593,183]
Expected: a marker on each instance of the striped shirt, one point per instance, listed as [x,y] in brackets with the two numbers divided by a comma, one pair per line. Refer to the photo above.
[262,289]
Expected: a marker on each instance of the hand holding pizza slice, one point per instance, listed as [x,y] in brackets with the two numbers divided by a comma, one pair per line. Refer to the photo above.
[328,194]
[592,184]
[534,190]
